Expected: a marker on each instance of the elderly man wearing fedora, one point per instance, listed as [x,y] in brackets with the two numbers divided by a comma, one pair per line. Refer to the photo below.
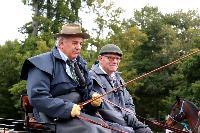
[58,80]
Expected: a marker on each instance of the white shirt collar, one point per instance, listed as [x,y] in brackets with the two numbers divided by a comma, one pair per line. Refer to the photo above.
[63,56]
[112,74]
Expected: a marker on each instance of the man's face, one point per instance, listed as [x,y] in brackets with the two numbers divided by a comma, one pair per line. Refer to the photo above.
[109,62]
[71,46]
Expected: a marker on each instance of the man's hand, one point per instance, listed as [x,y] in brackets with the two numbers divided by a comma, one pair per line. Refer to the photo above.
[76,110]
[98,101]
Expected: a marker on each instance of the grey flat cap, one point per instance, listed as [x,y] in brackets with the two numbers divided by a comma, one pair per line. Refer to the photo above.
[110,48]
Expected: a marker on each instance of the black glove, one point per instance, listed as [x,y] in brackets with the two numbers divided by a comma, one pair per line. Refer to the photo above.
[133,122]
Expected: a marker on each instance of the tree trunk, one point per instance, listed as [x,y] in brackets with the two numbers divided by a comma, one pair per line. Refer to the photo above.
[36,13]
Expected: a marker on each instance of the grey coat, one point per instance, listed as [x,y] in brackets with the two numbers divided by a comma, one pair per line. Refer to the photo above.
[121,97]
[52,92]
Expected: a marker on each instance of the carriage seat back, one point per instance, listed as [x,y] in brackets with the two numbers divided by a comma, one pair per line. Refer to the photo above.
[30,121]
[25,104]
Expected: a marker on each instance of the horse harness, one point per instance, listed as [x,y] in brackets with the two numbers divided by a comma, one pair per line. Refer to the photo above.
[140,77]
[178,117]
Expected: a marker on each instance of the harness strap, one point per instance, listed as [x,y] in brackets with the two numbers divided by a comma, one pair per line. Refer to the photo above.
[181,114]
[158,124]
[141,76]
[196,125]
[101,124]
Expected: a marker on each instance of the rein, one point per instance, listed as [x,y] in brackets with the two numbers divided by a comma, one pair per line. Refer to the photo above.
[147,120]
[101,124]
[181,113]
[137,78]
[196,125]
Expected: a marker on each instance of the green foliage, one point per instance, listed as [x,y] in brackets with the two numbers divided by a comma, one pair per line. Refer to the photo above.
[184,86]
[17,90]
[149,39]
[191,69]
[9,72]
[50,15]
[165,43]
[195,88]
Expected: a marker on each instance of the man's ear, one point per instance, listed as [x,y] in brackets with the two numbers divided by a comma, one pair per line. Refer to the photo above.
[59,43]
[99,57]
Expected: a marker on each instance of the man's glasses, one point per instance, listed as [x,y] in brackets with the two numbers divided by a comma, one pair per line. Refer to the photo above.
[111,58]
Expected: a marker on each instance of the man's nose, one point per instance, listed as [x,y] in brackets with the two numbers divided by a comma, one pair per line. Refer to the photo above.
[79,46]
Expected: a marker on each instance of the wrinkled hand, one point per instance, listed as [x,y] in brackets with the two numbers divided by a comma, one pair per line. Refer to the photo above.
[98,101]
[76,110]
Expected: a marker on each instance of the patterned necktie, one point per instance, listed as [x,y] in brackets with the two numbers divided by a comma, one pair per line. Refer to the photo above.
[113,82]
[80,75]
[70,63]
[117,92]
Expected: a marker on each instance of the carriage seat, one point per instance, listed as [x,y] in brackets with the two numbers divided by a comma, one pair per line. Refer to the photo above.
[30,121]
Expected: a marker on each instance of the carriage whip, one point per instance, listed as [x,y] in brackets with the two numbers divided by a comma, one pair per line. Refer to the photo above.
[139,77]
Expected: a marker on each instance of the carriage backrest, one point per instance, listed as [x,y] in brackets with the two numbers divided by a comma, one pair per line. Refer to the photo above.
[25,104]
[30,121]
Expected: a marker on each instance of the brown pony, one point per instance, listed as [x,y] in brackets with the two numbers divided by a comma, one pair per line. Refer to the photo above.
[184,110]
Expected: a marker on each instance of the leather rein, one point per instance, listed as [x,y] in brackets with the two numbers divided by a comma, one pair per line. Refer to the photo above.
[130,81]
[139,77]
[158,124]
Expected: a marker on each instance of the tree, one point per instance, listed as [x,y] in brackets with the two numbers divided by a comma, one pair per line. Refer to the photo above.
[186,80]
[9,73]
[149,39]
[48,16]
[166,42]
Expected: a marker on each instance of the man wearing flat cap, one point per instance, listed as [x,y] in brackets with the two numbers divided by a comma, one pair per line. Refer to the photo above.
[106,77]
[58,80]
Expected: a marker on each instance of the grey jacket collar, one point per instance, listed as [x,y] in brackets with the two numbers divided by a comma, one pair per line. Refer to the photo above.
[97,70]
[56,53]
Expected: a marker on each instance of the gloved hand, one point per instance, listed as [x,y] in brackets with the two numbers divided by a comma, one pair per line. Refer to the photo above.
[76,110]
[98,101]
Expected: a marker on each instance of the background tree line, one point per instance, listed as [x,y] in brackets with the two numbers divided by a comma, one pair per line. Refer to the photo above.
[149,39]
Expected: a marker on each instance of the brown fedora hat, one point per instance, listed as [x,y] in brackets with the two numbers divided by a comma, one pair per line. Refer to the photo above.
[72,30]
